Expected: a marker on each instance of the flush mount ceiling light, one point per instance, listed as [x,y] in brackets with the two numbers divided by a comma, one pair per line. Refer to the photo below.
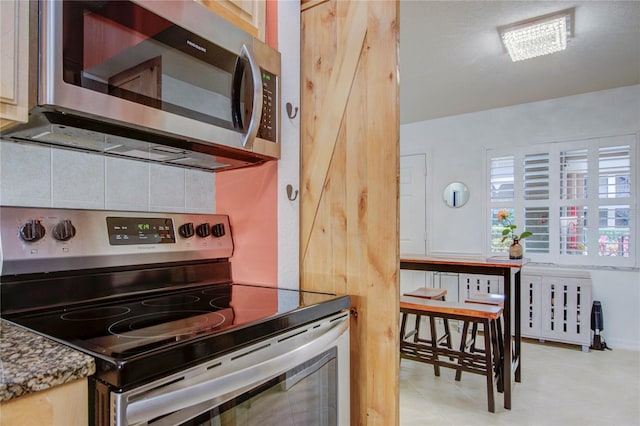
[538,36]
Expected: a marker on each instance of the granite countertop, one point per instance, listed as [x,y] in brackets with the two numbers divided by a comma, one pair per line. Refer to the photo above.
[31,363]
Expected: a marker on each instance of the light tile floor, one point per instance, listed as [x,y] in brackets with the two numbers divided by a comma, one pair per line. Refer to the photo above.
[561,385]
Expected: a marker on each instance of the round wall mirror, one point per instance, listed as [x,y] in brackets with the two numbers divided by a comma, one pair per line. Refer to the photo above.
[456,194]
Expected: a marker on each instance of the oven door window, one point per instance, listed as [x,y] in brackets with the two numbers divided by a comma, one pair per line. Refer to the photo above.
[305,395]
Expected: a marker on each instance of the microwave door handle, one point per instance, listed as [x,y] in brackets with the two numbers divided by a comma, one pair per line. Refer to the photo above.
[236,92]
[256,110]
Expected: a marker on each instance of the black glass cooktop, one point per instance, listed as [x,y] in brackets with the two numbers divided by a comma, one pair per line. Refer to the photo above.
[139,337]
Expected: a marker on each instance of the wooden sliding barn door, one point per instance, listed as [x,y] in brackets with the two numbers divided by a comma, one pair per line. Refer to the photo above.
[349,185]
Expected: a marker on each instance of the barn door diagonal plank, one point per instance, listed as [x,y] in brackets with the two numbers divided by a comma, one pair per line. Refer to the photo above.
[330,117]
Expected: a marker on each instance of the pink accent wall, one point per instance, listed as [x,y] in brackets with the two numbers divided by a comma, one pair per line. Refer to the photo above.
[249,197]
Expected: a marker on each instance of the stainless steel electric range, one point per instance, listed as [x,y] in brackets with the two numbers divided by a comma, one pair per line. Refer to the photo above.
[175,340]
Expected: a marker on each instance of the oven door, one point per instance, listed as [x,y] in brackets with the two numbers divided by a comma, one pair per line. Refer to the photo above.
[299,377]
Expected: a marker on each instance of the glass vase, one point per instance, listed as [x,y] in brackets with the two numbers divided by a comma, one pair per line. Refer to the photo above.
[515,250]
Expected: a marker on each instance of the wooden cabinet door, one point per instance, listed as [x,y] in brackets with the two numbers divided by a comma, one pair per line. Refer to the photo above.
[246,14]
[67,404]
[349,185]
[14,62]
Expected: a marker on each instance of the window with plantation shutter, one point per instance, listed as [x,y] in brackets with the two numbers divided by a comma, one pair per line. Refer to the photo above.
[577,198]
[573,231]
[497,245]
[613,230]
[502,179]
[614,190]
[536,220]
[573,174]
[614,172]
[535,176]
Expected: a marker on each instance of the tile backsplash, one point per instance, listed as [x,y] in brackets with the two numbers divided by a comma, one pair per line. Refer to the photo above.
[41,176]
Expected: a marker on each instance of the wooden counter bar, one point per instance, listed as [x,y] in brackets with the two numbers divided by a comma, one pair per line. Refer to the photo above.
[511,364]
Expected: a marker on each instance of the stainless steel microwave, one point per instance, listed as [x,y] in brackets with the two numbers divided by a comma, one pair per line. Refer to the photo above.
[165,81]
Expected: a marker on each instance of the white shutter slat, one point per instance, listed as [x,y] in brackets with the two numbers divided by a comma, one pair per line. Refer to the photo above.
[536,176]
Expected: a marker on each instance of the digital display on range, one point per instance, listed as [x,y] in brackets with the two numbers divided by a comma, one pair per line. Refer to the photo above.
[136,230]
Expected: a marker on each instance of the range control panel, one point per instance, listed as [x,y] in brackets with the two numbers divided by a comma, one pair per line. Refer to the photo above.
[37,240]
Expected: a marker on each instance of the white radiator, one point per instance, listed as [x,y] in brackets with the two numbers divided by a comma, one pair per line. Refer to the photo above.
[555,304]
[470,284]
[557,307]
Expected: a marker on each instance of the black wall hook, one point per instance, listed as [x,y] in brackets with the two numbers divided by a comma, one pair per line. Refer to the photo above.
[289,113]
[290,194]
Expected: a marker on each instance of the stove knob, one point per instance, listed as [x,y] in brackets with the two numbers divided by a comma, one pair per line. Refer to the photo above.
[186,230]
[218,230]
[203,230]
[32,231]
[64,231]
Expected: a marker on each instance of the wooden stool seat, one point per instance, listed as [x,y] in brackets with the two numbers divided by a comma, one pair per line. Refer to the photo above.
[428,293]
[487,299]
[487,364]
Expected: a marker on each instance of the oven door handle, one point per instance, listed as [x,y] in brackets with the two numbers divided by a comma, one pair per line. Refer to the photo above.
[195,391]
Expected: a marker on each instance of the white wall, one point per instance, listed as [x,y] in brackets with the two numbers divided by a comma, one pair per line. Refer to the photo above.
[289,164]
[455,148]
[40,176]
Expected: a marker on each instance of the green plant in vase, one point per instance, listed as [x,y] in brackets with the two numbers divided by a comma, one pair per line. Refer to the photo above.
[509,232]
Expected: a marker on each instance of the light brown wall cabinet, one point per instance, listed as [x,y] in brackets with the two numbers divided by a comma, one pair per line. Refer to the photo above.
[349,236]
[61,405]
[246,14]
[14,62]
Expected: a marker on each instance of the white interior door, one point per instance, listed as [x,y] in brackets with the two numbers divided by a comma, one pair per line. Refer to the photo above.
[413,218]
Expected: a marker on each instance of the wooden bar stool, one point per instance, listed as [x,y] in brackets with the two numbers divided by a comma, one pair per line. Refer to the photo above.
[490,299]
[462,359]
[444,340]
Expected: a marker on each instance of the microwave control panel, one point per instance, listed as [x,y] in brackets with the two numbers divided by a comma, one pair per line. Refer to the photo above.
[267,129]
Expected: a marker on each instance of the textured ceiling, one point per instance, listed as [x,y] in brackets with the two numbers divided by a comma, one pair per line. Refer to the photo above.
[453,62]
